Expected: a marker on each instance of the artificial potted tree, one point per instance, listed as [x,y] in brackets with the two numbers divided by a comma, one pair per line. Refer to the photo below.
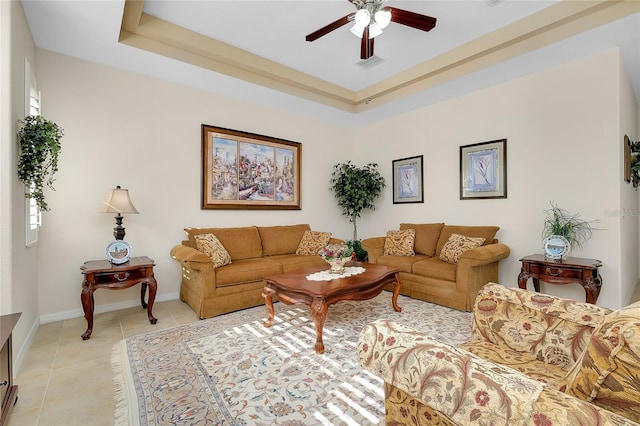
[563,231]
[356,189]
[39,143]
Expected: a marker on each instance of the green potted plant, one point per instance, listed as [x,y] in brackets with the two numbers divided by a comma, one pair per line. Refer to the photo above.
[560,223]
[39,143]
[356,189]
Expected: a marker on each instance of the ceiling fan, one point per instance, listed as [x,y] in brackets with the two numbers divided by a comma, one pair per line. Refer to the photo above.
[370,19]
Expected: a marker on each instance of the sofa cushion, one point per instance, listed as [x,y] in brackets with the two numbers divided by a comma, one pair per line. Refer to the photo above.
[241,243]
[607,371]
[456,245]
[404,263]
[486,232]
[246,271]
[278,240]
[435,268]
[400,243]
[312,242]
[212,247]
[427,235]
[295,262]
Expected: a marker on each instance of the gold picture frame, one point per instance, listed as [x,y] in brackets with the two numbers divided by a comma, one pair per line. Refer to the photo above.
[242,170]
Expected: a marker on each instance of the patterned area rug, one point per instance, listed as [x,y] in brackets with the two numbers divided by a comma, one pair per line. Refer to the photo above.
[231,370]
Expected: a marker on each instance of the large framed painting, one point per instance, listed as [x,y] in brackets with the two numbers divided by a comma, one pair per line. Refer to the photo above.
[243,170]
[483,170]
[407,180]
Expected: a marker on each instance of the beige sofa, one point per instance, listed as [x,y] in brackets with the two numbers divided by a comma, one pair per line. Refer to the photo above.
[254,252]
[426,276]
[532,359]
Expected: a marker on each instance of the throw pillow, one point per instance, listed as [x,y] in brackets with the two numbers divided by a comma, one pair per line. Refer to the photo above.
[400,243]
[606,373]
[312,242]
[456,245]
[210,245]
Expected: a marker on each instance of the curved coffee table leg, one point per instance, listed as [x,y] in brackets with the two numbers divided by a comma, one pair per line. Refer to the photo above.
[266,294]
[319,310]
[396,292]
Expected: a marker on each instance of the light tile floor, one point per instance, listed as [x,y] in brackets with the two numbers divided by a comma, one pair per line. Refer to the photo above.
[65,381]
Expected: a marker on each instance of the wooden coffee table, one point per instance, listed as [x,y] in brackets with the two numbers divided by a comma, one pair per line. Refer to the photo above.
[294,288]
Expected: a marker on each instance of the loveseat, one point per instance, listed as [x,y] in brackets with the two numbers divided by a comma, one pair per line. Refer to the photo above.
[222,268]
[439,263]
[532,359]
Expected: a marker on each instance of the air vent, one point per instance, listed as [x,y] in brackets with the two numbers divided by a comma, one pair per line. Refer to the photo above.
[370,63]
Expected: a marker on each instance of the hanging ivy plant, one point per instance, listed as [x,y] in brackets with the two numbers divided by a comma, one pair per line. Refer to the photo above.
[39,141]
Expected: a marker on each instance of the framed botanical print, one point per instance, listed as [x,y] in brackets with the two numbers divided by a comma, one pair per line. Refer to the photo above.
[408,180]
[483,170]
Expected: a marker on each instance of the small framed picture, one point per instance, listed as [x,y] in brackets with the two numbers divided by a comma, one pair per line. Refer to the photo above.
[483,170]
[407,180]
[627,159]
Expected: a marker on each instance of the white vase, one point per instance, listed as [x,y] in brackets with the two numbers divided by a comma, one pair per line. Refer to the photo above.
[337,265]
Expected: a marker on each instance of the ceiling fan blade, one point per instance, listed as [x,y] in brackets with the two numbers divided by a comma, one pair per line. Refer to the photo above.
[412,19]
[328,28]
[366,45]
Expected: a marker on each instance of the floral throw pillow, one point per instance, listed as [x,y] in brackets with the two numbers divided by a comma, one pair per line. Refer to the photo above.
[456,245]
[210,245]
[312,242]
[606,373]
[400,243]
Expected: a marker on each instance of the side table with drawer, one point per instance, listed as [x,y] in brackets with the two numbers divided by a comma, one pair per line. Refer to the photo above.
[565,271]
[103,274]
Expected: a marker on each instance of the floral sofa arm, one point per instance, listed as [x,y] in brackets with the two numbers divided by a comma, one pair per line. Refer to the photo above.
[374,247]
[458,384]
[554,329]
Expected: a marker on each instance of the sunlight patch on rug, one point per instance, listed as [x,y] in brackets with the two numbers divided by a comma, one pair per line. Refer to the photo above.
[231,370]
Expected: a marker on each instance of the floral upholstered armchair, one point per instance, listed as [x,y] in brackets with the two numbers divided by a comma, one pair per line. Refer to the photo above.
[533,359]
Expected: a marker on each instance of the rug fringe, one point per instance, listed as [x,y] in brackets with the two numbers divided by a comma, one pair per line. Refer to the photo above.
[123,409]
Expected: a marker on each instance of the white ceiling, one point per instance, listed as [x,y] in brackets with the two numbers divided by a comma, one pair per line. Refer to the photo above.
[275,31]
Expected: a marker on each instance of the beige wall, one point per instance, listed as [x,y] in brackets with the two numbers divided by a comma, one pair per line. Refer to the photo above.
[144,134]
[564,144]
[18,276]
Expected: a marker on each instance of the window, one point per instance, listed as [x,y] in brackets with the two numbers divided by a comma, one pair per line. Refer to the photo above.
[33,216]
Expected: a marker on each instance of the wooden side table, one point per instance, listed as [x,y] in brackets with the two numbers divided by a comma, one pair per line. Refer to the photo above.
[104,274]
[8,391]
[565,271]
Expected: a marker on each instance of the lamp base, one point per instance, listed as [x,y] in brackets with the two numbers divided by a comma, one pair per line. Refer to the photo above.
[118,231]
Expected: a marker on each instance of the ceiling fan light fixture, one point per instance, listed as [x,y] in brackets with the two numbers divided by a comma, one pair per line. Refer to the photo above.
[382,18]
[363,17]
[357,30]
[374,30]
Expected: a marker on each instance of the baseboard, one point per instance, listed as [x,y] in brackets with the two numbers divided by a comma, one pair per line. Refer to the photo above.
[60,316]
[25,346]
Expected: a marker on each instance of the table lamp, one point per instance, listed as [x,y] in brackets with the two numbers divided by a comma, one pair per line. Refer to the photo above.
[118,201]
